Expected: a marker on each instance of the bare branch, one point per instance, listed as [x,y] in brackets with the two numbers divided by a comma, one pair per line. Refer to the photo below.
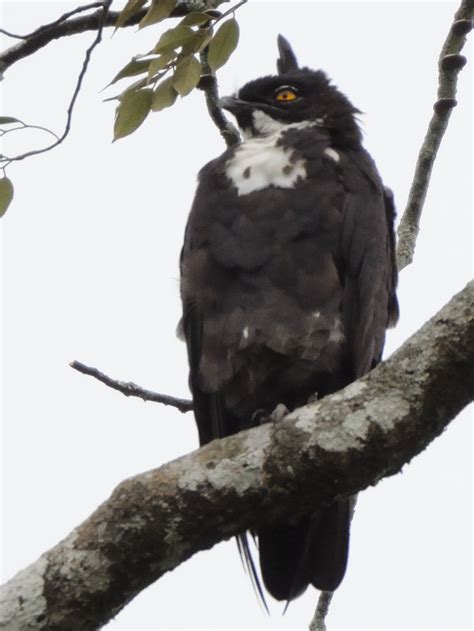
[449,64]
[232,10]
[63,18]
[318,623]
[104,12]
[208,83]
[12,35]
[336,447]
[130,389]
[22,125]
[60,28]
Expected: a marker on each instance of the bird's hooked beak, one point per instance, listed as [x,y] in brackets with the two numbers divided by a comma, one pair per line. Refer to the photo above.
[234,105]
[242,110]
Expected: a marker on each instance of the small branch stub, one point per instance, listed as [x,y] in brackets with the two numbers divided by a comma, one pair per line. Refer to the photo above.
[453,62]
[444,105]
[462,27]
[130,389]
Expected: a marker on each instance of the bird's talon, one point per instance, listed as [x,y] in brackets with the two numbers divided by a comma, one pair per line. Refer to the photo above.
[279,413]
[260,417]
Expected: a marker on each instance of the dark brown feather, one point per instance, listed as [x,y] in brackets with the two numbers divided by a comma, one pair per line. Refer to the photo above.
[287,292]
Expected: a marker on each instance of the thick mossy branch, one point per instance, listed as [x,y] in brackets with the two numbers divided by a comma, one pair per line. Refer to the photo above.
[333,447]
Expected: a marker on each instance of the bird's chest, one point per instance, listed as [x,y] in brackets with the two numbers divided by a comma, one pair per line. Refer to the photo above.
[262,162]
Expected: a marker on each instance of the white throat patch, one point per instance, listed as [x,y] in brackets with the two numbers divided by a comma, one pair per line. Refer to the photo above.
[260,162]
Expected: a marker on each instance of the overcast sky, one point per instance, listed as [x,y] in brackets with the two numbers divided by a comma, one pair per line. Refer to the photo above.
[90,272]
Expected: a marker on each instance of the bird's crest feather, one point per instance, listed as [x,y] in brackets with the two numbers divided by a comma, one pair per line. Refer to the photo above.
[287,61]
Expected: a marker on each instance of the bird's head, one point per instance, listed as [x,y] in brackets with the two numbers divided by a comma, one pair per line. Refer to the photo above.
[295,95]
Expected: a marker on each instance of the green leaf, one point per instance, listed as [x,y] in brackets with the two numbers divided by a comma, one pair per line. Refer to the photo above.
[186,75]
[223,44]
[202,38]
[194,18]
[137,85]
[6,120]
[159,10]
[6,194]
[133,68]
[174,38]
[206,36]
[159,64]
[164,96]
[132,111]
[129,9]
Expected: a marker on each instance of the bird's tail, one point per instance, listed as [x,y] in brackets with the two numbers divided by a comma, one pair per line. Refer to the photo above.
[249,566]
[312,551]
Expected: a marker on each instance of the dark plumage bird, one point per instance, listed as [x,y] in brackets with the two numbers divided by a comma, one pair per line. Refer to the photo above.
[288,284]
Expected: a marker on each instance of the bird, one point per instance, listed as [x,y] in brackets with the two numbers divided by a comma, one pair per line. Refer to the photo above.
[288,284]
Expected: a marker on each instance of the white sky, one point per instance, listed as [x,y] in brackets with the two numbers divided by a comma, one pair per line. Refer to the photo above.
[90,272]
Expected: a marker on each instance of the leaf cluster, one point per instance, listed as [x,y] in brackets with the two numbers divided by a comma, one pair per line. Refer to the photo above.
[171,68]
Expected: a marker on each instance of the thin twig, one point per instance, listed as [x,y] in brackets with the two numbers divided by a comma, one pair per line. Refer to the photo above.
[231,10]
[449,64]
[12,35]
[62,19]
[105,8]
[23,125]
[50,32]
[57,29]
[208,84]
[318,623]
[130,389]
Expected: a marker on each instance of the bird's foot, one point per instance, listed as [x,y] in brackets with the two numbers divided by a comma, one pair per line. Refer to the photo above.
[313,398]
[260,417]
[279,413]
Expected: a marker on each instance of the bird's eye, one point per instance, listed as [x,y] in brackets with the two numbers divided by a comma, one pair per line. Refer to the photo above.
[286,93]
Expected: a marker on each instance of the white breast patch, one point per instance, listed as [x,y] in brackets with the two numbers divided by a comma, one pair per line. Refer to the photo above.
[260,162]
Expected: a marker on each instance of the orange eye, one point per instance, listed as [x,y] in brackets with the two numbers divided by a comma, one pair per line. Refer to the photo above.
[286,94]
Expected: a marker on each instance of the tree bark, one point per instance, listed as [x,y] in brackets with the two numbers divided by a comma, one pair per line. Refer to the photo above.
[334,447]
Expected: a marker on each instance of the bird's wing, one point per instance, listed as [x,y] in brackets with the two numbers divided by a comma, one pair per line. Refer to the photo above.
[207,406]
[368,263]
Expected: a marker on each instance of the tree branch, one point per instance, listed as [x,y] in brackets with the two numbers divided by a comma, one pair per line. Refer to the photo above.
[104,12]
[59,20]
[333,447]
[449,64]
[208,84]
[63,28]
[130,389]
[318,623]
